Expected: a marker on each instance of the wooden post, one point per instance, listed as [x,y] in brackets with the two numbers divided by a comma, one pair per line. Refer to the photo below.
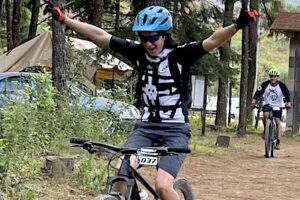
[223,141]
[58,167]
[296,102]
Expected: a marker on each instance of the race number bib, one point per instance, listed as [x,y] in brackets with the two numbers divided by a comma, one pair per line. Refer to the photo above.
[276,108]
[147,157]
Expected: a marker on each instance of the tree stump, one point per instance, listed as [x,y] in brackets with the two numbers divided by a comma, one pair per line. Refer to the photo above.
[56,166]
[223,141]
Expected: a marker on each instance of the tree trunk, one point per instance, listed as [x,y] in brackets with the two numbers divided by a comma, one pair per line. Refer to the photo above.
[95,13]
[223,83]
[16,20]
[253,32]
[155,2]
[58,56]
[9,42]
[1,10]
[138,5]
[243,82]
[203,118]
[229,102]
[117,19]
[221,104]
[34,18]
[175,15]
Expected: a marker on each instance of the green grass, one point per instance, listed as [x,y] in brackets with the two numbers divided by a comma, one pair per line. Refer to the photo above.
[205,145]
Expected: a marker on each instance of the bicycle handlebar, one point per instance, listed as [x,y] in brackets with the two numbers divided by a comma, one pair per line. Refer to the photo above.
[82,141]
[89,144]
[281,107]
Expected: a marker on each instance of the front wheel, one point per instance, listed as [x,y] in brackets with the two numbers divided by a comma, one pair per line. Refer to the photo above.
[106,197]
[269,140]
[184,189]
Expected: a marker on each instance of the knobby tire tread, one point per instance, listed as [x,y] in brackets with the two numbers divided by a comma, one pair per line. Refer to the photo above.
[268,143]
[182,185]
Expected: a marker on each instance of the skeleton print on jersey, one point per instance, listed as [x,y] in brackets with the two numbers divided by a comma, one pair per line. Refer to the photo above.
[272,94]
[149,91]
[159,89]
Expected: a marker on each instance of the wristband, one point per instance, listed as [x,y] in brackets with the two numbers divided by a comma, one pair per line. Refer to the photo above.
[61,15]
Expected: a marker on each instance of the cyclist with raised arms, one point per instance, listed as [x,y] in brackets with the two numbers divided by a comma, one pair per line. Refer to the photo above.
[163,83]
[273,92]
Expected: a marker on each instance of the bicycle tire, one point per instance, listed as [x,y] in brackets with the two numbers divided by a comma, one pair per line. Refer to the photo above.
[272,136]
[182,186]
[106,197]
[268,139]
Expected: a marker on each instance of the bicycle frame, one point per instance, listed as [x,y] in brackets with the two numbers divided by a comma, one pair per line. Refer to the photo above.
[126,172]
[129,175]
[273,123]
[270,139]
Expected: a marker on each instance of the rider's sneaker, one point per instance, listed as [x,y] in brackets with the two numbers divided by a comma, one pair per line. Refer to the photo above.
[277,145]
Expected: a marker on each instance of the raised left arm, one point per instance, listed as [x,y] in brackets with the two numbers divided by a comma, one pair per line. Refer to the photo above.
[219,37]
[223,35]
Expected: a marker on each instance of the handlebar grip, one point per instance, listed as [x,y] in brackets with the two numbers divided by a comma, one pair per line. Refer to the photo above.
[78,140]
[179,150]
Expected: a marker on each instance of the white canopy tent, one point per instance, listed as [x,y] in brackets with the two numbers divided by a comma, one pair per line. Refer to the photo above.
[38,52]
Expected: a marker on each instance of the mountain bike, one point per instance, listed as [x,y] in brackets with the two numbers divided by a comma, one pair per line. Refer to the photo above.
[146,156]
[270,130]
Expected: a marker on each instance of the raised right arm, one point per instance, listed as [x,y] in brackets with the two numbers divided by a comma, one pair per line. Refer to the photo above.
[94,33]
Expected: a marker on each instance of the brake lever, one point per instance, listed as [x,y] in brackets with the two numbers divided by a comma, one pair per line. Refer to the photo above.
[76,145]
[86,146]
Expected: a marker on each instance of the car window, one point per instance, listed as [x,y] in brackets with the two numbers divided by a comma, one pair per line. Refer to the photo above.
[2,86]
[13,84]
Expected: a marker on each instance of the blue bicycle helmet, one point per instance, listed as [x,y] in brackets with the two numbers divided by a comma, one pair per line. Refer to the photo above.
[153,18]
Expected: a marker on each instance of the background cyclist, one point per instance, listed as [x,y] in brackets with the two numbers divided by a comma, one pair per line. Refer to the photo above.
[273,92]
[163,85]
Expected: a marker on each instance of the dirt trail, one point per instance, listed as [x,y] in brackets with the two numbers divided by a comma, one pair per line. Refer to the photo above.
[245,174]
[241,173]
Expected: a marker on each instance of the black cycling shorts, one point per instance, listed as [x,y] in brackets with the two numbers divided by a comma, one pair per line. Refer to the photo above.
[276,113]
[172,135]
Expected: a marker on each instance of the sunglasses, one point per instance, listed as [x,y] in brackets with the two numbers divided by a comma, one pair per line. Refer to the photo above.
[151,38]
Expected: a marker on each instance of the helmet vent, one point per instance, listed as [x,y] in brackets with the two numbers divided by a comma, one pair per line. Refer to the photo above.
[153,20]
[145,19]
[151,7]
[160,11]
[164,21]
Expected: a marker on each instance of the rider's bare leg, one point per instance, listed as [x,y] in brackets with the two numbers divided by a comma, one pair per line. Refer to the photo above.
[278,129]
[266,115]
[164,185]
[121,186]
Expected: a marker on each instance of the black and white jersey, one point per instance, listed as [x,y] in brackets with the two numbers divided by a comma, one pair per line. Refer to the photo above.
[273,94]
[165,96]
